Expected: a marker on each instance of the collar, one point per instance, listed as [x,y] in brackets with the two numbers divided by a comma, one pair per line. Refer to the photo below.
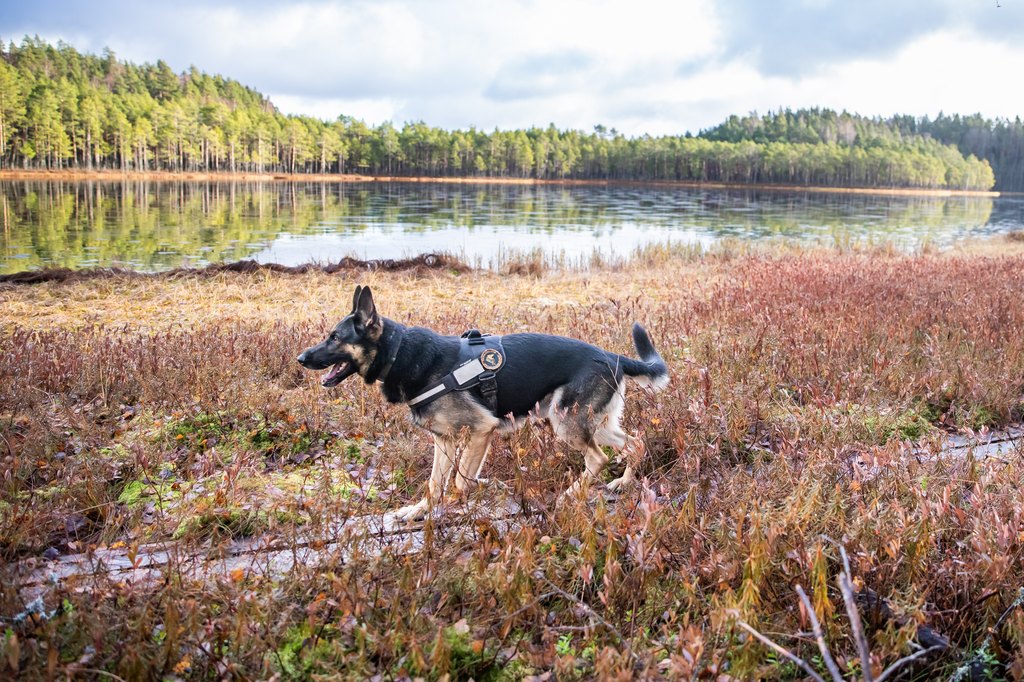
[381,365]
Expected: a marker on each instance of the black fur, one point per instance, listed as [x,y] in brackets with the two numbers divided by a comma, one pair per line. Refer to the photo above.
[535,364]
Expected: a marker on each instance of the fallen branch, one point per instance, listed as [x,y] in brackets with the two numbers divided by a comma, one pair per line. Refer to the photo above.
[819,635]
[593,614]
[422,263]
[894,668]
[878,609]
[782,651]
[965,671]
[845,581]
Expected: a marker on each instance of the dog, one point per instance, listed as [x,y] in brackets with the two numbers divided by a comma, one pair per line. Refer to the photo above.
[478,384]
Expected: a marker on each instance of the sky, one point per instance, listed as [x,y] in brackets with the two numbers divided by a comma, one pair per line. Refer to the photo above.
[642,67]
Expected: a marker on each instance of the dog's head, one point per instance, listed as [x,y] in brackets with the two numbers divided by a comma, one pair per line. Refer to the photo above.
[351,346]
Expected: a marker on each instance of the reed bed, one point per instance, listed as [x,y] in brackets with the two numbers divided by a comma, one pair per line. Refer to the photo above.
[810,392]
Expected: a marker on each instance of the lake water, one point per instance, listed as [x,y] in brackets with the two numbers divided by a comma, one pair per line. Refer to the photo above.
[158,225]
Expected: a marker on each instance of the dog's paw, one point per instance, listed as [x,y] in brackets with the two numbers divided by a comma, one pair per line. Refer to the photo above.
[619,484]
[412,512]
[622,482]
[468,486]
[494,483]
[573,492]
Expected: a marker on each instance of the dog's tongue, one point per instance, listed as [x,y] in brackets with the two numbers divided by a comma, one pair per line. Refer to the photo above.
[335,371]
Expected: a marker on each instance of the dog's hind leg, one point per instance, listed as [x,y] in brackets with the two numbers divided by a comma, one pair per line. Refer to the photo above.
[611,434]
[472,460]
[444,460]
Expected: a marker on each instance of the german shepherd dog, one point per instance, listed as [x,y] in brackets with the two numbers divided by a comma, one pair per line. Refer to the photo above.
[578,388]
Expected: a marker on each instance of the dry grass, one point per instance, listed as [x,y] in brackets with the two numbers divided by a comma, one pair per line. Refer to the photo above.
[1008,244]
[137,409]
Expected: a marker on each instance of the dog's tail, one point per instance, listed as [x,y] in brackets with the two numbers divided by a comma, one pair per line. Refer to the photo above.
[650,370]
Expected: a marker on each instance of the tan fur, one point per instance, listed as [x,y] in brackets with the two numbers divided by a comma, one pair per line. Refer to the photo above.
[359,357]
[457,413]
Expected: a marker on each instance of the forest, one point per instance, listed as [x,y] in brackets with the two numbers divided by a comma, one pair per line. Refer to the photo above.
[62,109]
[1000,142]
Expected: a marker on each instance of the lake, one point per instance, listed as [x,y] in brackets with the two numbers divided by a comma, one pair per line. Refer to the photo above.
[150,226]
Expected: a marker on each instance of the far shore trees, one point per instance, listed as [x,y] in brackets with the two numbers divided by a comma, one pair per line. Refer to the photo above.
[62,109]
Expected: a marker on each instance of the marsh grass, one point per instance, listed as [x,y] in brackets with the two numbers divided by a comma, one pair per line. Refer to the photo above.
[170,410]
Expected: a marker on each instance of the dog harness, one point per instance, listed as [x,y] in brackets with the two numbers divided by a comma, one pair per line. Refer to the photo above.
[481,357]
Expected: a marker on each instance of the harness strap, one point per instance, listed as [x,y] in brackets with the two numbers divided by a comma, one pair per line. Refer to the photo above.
[481,357]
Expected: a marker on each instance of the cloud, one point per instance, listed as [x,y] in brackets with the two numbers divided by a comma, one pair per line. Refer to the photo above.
[535,76]
[649,66]
[373,109]
[799,37]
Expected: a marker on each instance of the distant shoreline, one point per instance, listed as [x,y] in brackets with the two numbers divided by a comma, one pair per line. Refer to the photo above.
[165,176]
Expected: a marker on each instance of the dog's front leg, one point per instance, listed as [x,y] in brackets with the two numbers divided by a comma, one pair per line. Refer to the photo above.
[468,471]
[595,460]
[444,459]
[634,451]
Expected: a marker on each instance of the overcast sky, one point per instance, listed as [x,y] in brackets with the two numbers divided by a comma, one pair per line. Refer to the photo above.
[642,66]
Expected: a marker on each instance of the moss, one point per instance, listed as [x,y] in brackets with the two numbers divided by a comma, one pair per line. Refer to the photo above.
[932,411]
[344,488]
[234,523]
[261,438]
[281,436]
[308,482]
[199,429]
[354,453]
[302,654]
[980,417]
[292,482]
[910,425]
[783,669]
[467,659]
[116,451]
[132,494]
[881,426]
[271,435]
[140,491]
[513,670]
[50,492]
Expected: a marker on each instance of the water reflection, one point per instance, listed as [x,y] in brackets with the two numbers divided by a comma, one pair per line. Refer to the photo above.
[152,226]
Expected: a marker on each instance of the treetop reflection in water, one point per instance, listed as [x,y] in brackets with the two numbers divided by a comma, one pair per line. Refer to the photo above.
[159,225]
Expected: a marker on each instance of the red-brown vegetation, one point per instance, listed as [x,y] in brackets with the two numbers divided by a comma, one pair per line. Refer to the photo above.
[135,410]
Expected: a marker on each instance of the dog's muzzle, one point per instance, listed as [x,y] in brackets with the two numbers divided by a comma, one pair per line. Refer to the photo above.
[338,373]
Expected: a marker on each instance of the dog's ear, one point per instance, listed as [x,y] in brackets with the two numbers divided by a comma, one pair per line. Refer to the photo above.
[355,298]
[365,310]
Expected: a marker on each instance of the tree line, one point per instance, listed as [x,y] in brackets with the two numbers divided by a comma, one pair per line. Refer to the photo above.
[63,109]
[999,141]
